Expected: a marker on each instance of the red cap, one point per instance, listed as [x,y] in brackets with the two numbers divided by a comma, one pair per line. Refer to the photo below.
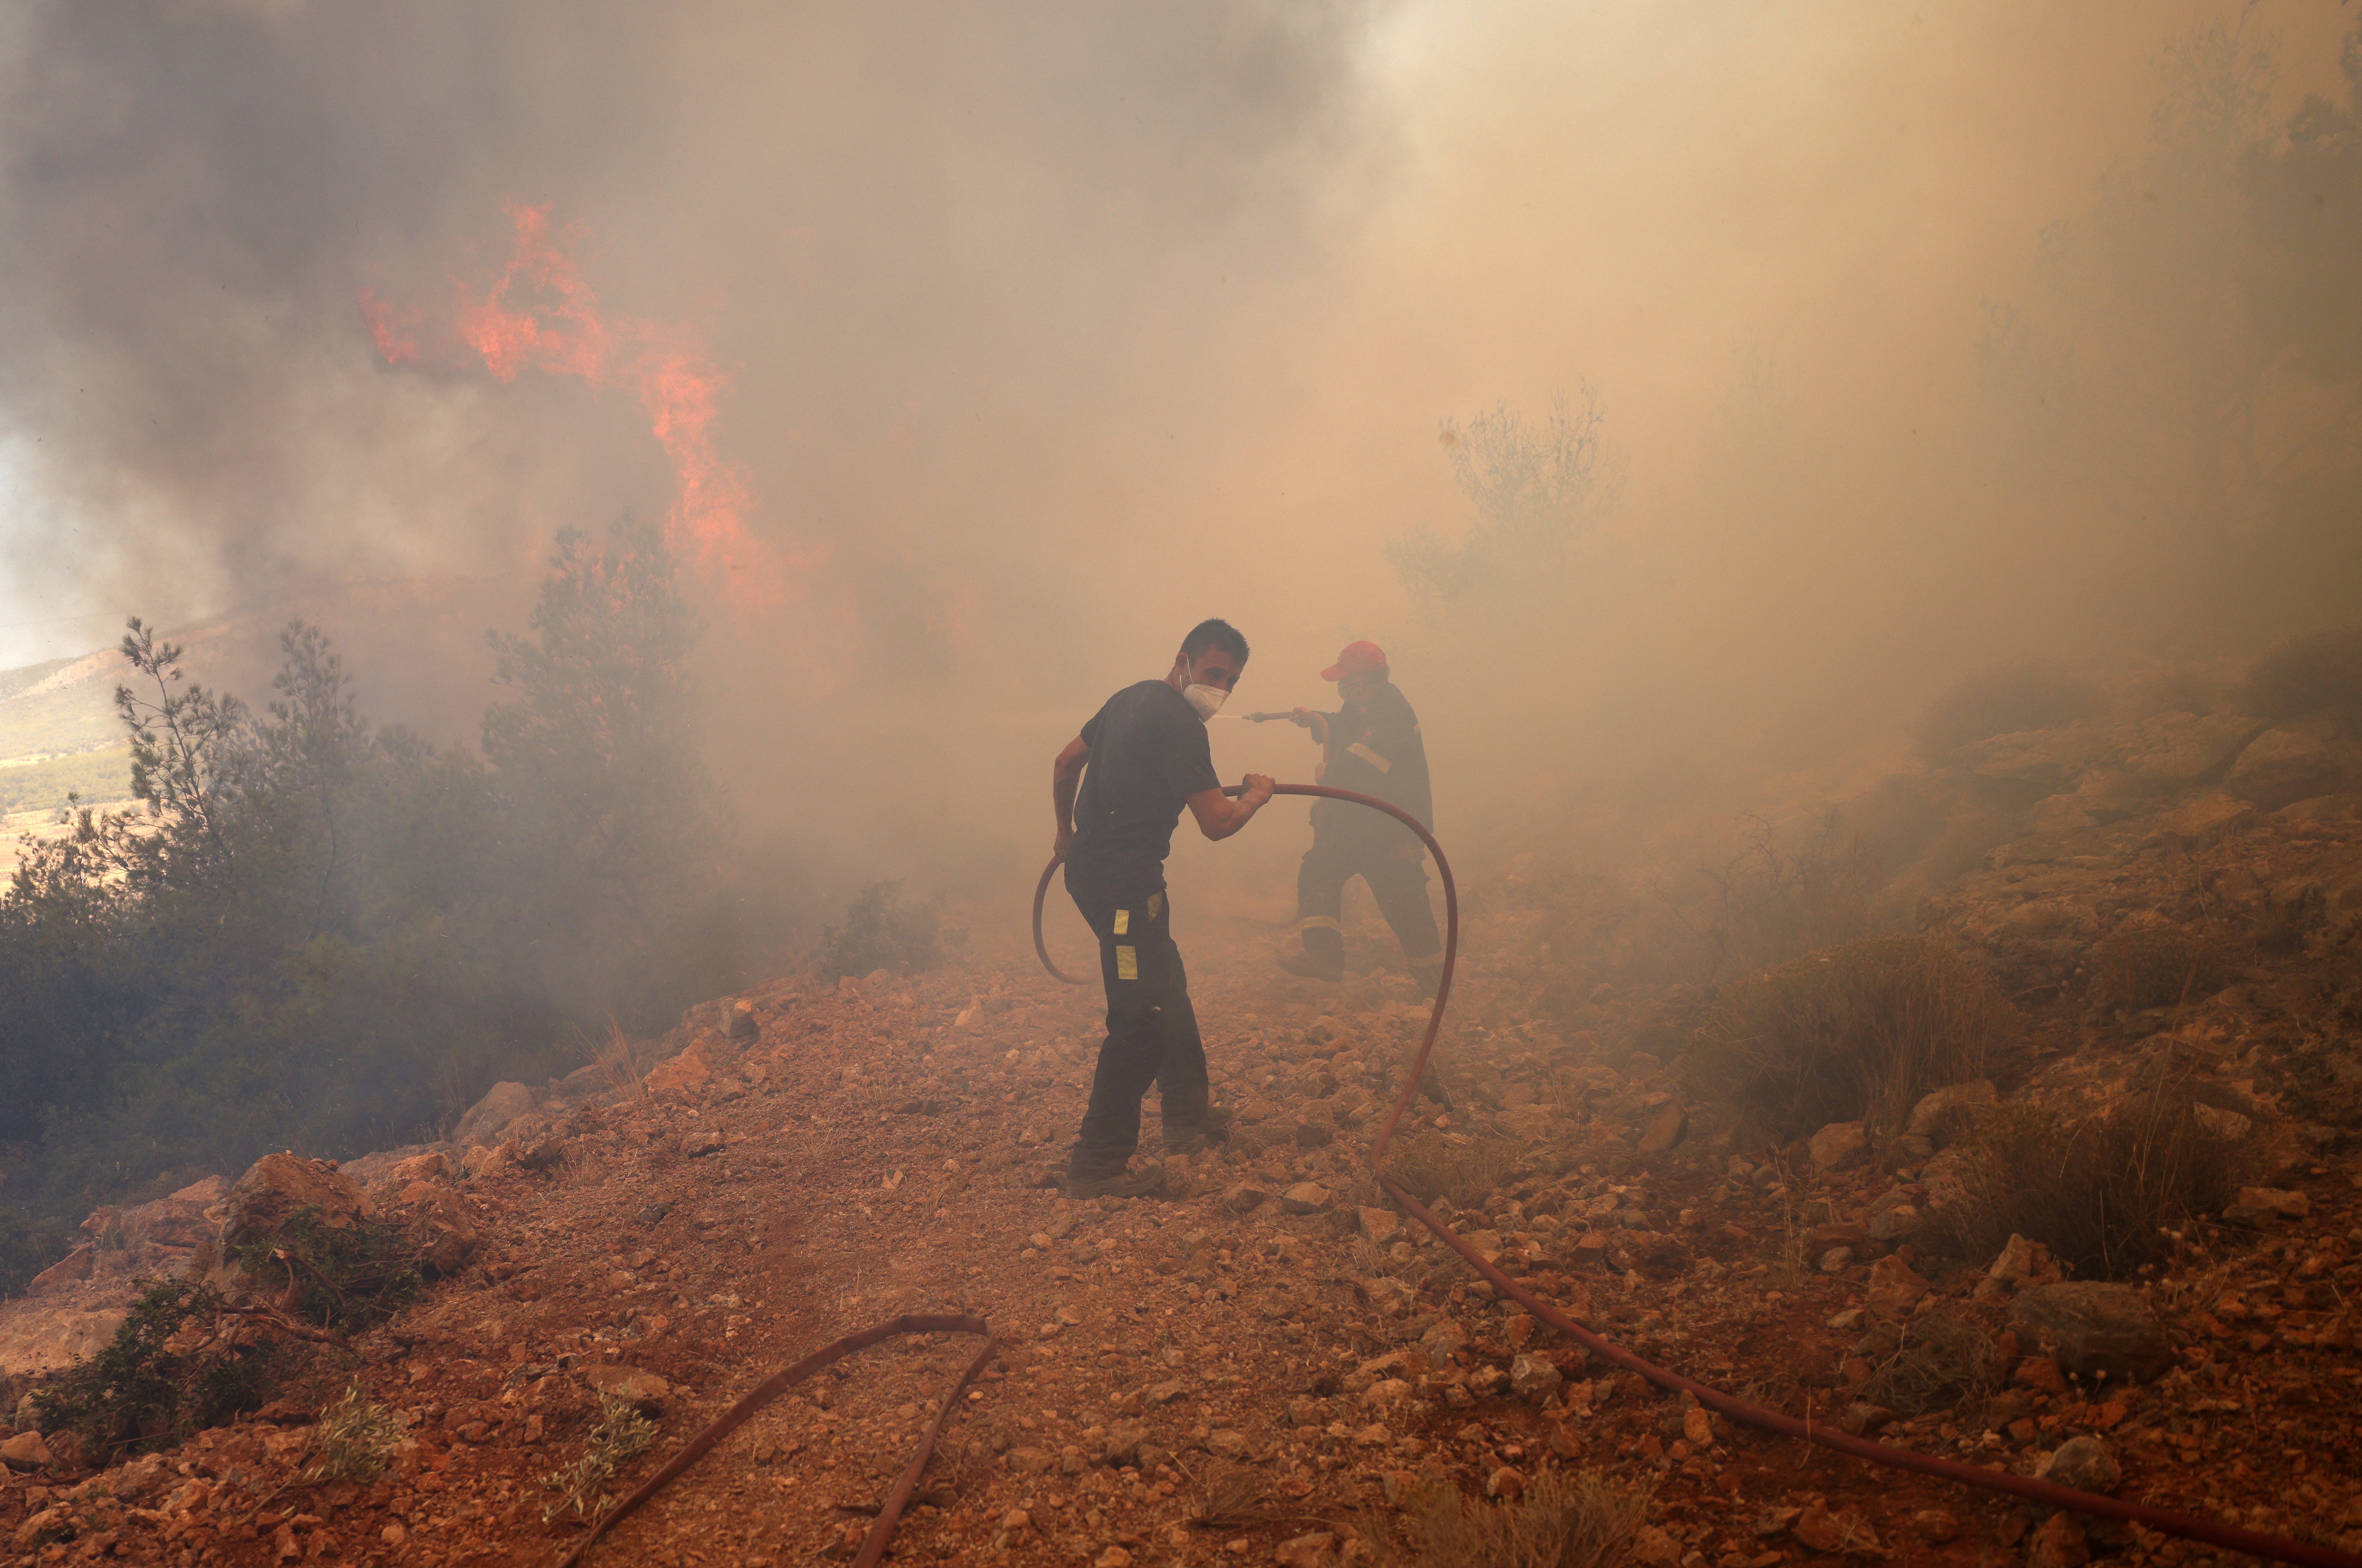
[1359,658]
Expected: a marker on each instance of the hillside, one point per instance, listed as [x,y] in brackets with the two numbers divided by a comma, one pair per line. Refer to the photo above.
[1268,1364]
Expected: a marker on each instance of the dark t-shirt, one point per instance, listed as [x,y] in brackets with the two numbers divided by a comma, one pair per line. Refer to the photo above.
[1148,754]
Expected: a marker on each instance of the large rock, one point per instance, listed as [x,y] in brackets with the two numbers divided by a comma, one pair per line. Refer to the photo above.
[1241,1197]
[2174,751]
[2262,1205]
[2205,815]
[2084,1463]
[1123,1440]
[26,1450]
[72,1269]
[2280,767]
[1894,1289]
[683,1074]
[2093,1329]
[1666,1131]
[1535,1378]
[276,1185]
[2040,761]
[1949,1112]
[2340,807]
[36,1338]
[1838,1144]
[644,1390]
[435,1220]
[1305,1197]
[502,1104]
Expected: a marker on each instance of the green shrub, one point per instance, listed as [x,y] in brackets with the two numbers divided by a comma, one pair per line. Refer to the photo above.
[2103,1193]
[882,932]
[312,913]
[2000,702]
[139,1392]
[1857,1034]
[2318,673]
[350,1278]
[1580,1520]
[621,1435]
[29,1244]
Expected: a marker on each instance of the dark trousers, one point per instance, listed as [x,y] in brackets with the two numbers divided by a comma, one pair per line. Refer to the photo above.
[1152,1029]
[1398,882]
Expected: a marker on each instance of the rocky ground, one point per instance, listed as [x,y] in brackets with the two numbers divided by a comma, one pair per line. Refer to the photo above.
[1260,1366]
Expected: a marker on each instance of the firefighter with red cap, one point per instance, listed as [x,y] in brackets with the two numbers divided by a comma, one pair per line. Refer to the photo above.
[1372,746]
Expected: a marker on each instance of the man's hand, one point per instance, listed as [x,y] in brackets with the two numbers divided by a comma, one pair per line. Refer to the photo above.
[1218,816]
[1065,842]
[1306,719]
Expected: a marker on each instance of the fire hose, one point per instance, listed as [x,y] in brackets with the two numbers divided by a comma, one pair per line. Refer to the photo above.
[2047,1494]
[882,1530]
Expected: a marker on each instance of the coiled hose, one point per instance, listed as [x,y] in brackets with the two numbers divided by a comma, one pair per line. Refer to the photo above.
[2276,1548]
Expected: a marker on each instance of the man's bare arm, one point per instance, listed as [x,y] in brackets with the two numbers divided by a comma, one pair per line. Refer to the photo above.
[1218,816]
[1066,778]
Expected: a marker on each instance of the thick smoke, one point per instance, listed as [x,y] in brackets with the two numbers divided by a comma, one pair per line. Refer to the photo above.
[1053,328]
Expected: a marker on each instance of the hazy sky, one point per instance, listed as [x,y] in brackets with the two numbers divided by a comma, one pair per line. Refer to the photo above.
[1049,328]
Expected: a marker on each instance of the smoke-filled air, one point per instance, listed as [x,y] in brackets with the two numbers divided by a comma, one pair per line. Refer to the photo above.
[1398,783]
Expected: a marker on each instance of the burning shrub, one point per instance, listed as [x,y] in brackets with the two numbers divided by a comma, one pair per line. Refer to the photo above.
[2297,676]
[2000,702]
[174,1367]
[882,932]
[2101,1193]
[1580,1520]
[1857,1034]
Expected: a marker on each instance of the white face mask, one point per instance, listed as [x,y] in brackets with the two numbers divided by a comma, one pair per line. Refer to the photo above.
[1207,699]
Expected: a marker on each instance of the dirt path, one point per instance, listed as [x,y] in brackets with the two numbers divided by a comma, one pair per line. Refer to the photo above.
[1217,1376]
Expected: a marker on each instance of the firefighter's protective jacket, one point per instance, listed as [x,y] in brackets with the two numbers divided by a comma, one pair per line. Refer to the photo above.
[1375,749]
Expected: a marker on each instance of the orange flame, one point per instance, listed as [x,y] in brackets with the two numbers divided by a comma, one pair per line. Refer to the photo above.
[392,327]
[541,313]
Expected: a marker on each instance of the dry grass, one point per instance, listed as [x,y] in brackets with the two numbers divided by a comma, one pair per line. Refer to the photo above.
[2105,1194]
[1431,1165]
[1945,1358]
[618,1062]
[1780,901]
[1857,1034]
[2153,963]
[1238,1497]
[2298,676]
[1580,1520]
[352,1441]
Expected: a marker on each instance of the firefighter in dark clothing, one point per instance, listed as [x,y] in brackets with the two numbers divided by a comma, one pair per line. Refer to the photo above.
[1372,747]
[1147,758]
